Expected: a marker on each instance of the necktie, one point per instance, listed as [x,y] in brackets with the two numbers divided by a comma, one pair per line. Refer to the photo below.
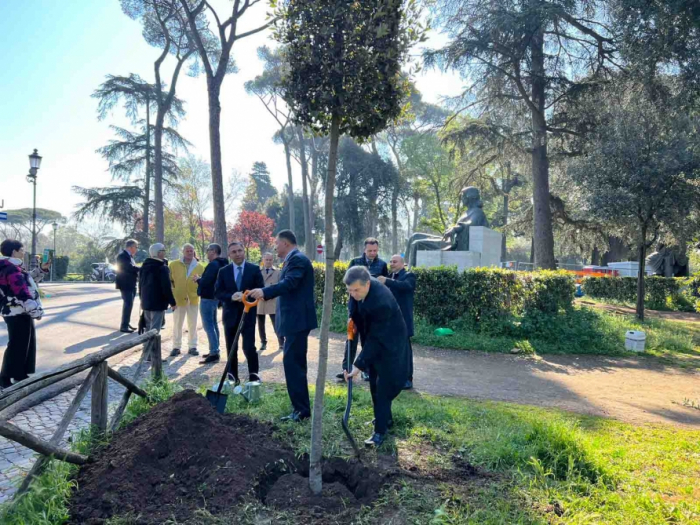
[239,272]
[267,271]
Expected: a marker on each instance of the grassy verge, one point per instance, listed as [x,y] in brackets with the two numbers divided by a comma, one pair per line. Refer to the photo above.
[471,463]
[532,465]
[46,501]
[580,331]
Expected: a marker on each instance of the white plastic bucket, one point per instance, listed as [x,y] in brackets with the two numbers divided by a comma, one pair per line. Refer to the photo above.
[635,341]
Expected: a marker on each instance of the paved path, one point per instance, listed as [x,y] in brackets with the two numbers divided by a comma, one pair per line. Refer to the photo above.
[80,318]
[638,390]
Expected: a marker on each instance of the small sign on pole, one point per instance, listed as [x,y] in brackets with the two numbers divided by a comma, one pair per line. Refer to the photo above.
[3,215]
[319,249]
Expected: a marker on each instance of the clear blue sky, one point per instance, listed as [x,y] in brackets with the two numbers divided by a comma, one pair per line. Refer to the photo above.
[54,56]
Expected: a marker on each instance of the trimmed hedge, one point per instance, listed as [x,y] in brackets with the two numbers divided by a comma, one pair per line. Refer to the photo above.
[479,295]
[661,293]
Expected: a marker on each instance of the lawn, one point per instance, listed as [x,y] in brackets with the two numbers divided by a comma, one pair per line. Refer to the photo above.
[471,462]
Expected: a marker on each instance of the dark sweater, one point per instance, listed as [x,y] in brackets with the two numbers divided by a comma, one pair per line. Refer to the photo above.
[205,285]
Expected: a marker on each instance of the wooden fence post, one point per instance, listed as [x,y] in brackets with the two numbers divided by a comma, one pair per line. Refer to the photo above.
[156,357]
[98,415]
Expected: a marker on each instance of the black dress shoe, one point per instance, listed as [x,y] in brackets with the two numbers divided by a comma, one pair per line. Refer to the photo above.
[127,330]
[376,440]
[254,377]
[132,328]
[340,376]
[210,359]
[295,416]
[263,346]
[408,385]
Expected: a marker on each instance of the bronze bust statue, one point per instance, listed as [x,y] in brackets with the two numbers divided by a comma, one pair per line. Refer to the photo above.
[455,238]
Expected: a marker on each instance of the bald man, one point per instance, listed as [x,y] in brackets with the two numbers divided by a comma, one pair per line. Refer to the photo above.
[402,284]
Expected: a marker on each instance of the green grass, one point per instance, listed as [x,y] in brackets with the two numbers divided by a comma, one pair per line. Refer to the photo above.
[534,466]
[581,330]
[531,461]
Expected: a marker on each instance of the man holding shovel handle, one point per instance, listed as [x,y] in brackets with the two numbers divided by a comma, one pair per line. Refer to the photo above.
[382,330]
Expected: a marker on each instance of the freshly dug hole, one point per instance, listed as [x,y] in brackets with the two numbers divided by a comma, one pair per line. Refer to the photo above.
[183,456]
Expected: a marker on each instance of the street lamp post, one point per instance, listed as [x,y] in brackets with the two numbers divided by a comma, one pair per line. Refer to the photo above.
[55,227]
[34,165]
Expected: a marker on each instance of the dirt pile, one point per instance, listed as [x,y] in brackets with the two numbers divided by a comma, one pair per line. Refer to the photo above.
[184,456]
[181,456]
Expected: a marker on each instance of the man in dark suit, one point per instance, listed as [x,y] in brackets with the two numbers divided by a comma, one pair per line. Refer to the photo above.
[231,282]
[294,319]
[377,268]
[127,276]
[384,355]
[402,284]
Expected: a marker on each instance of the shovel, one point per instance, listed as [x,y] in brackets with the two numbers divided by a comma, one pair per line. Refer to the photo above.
[216,398]
[346,416]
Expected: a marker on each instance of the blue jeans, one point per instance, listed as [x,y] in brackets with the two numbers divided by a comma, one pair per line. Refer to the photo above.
[207,310]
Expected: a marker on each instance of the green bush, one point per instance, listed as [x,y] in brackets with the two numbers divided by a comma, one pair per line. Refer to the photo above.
[661,293]
[480,296]
[548,291]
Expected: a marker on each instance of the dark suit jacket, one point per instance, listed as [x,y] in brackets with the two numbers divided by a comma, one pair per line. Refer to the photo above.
[382,330]
[226,286]
[128,273]
[296,310]
[376,267]
[404,288]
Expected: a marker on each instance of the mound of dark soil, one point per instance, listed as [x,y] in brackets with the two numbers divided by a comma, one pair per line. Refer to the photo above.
[179,457]
[183,456]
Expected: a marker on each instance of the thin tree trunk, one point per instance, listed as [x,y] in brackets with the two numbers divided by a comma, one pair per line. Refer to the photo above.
[308,236]
[290,186]
[217,175]
[640,276]
[158,177]
[395,220]
[145,221]
[416,212]
[543,233]
[504,235]
[315,467]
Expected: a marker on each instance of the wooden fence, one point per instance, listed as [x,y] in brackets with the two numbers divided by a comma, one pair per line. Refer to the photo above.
[97,380]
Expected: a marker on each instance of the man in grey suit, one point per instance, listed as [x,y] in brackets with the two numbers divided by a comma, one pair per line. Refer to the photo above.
[294,319]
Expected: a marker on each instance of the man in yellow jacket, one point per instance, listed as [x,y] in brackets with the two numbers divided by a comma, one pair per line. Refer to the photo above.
[184,274]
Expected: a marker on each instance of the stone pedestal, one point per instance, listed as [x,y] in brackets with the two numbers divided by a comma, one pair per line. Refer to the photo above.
[484,250]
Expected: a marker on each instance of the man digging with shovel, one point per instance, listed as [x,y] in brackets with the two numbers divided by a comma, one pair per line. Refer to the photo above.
[380,323]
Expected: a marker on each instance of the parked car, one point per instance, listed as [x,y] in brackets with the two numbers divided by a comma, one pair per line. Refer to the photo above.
[103,272]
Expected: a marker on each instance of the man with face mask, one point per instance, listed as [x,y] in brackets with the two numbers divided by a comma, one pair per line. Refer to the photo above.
[382,330]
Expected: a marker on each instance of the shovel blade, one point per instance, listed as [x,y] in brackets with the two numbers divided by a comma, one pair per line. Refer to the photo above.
[217,400]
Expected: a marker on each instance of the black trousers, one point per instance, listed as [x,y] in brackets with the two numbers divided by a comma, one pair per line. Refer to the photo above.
[20,354]
[410,360]
[294,361]
[127,307]
[261,329]
[248,335]
[383,393]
